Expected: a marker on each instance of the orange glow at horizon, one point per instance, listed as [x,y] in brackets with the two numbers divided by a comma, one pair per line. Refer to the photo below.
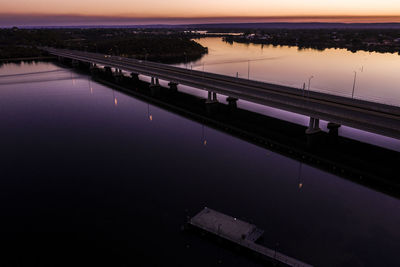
[203,8]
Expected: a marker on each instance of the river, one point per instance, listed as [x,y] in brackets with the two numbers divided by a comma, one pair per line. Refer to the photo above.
[93,176]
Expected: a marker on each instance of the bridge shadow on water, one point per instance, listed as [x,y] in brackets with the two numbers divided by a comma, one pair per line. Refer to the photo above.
[366,164]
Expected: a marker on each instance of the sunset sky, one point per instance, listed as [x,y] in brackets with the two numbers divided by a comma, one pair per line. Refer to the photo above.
[29,10]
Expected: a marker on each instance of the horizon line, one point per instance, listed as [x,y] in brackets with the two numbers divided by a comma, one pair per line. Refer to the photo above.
[9,20]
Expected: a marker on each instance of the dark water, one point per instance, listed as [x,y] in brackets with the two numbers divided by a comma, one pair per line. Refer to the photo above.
[91,177]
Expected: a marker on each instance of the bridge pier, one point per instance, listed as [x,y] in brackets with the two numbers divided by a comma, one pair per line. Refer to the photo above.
[173,86]
[214,97]
[314,133]
[333,128]
[211,102]
[333,132]
[135,76]
[232,102]
[108,71]
[118,75]
[155,88]
[313,126]
[118,72]
[209,97]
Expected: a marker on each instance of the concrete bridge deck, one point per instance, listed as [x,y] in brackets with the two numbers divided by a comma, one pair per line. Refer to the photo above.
[364,115]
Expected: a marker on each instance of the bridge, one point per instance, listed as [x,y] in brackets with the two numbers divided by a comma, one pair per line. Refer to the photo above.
[360,114]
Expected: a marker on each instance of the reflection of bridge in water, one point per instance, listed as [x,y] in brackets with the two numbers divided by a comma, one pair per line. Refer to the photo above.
[363,163]
[364,115]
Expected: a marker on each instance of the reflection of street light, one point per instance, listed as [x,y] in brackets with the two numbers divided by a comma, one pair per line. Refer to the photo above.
[354,84]
[148,113]
[203,137]
[115,99]
[90,86]
[300,183]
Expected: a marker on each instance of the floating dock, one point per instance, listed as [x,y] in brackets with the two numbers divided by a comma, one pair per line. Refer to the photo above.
[239,232]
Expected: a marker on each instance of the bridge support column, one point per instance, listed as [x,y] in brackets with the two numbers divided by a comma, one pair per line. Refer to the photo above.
[135,77]
[108,71]
[173,86]
[214,97]
[118,75]
[333,128]
[313,126]
[314,133]
[232,102]
[211,102]
[155,88]
[93,68]
[333,132]
[209,97]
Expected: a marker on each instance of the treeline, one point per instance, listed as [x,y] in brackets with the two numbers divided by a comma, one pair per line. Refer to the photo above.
[372,40]
[156,44]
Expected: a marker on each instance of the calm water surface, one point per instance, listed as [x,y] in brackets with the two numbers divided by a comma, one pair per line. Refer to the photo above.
[92,176]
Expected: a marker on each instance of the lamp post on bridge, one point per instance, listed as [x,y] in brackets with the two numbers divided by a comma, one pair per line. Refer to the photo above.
[248,69]
[309,85]
[354,84]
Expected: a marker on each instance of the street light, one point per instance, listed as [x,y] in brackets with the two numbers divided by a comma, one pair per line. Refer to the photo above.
[309,85]
[309,82]
[248,69]
[354,83]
